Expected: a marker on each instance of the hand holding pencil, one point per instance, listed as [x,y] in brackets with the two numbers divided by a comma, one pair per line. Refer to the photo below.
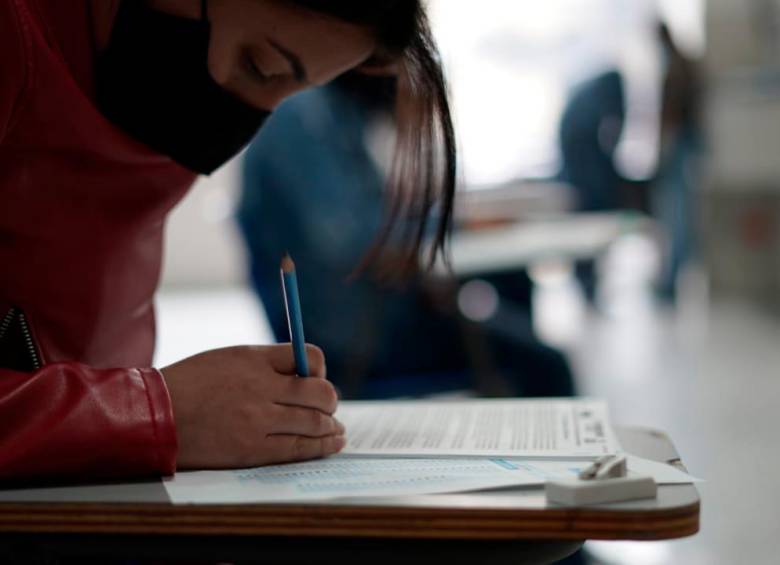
[246,406]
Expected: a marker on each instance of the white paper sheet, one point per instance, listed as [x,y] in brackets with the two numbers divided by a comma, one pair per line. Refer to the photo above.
[343,476]
[561,428]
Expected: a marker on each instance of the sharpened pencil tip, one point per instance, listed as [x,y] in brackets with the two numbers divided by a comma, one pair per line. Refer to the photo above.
[288,265]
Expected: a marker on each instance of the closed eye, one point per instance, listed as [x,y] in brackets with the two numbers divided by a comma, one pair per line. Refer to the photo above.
[253,70]
[298,70]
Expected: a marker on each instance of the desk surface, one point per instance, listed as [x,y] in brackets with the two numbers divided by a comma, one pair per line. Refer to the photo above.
[508,514]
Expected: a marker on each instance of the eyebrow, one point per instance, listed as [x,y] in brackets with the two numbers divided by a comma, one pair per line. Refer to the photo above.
[299,71]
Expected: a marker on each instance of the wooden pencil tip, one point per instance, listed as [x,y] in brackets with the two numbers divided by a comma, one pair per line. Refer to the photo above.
[288,265]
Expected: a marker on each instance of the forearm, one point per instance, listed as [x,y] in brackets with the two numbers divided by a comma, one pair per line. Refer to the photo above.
[68,420]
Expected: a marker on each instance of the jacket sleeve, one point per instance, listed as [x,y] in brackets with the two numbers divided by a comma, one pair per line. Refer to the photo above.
[14,63]
[68,420]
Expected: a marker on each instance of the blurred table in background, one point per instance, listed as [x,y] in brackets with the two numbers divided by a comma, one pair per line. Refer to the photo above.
[513,245]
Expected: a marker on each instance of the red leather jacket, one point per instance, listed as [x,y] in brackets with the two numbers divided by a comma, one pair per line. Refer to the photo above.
[82,209]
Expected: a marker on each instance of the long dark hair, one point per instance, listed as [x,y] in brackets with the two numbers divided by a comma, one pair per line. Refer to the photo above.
[421,185]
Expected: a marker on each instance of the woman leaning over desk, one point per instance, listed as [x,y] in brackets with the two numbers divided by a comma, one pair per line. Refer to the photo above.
[108,111]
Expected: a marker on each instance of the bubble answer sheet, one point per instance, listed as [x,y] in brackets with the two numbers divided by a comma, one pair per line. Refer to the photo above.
[342,476]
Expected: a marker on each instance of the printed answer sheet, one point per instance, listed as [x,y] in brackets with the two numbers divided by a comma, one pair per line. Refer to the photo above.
[559,428]
[341,476]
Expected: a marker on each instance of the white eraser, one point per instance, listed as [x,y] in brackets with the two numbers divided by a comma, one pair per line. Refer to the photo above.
[578,492]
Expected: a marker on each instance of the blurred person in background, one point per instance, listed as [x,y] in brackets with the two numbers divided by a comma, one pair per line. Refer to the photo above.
[589,135]
[108,112]
[312,185]
[678,171]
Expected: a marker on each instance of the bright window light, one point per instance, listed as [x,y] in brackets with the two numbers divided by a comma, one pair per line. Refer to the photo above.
[512,63]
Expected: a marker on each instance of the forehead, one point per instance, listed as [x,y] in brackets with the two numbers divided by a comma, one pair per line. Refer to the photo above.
[288,17]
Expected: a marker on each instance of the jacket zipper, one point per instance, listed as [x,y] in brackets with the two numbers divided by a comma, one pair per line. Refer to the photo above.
[14,313]
[6,323]
[36,360]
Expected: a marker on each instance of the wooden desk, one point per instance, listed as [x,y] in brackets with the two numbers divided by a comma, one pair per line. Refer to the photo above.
[138,520]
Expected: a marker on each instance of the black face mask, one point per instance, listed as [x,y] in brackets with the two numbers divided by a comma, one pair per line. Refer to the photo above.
[153,82]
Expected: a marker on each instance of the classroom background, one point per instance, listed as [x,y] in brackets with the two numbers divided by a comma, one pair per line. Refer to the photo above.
[623,155]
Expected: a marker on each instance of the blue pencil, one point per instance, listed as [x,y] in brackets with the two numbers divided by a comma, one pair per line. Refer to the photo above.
[292,306]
